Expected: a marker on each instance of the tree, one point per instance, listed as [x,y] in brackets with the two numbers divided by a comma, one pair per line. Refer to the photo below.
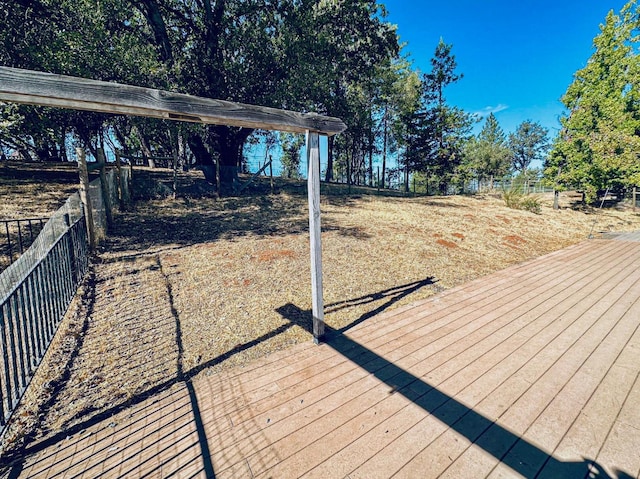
[303,55]
[488,154]
[435,131]
[99,40]
[529,142]
[291,145]
[599,143]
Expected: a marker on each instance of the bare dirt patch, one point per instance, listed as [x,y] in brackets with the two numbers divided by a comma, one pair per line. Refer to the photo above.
[446,243]
[198,284]
[515,240]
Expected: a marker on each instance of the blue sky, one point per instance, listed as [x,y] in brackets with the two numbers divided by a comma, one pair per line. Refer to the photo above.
[518,56]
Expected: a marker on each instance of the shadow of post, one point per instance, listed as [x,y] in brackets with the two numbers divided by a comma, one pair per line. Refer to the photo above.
[507,447]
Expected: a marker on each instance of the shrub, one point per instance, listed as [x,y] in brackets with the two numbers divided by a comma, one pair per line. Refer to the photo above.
[519,201]
[530,203]
[513,198]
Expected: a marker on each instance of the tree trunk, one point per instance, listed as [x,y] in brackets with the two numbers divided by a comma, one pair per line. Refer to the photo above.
[146,151]
[151,10]
[371,151]
[328,176]
[384,147]
[203,157]
[227,142]
[63,145]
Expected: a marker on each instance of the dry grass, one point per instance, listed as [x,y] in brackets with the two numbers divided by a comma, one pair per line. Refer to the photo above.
[194,285]
[34,190]
[30,191]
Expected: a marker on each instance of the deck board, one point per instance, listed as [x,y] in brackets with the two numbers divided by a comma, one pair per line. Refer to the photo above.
[532,371]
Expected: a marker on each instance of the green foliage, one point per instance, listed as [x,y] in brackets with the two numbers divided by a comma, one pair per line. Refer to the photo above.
[291,145]
[328,56]
[531,203]
[435,131]
[512,198]
[599,144]
[529,142]
[488,155]
[517,199]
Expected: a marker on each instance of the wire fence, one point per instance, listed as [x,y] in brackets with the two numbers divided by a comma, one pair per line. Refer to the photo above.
[37,288]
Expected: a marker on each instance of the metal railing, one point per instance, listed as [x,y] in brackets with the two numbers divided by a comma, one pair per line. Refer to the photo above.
[31,311]
[38,287]
[35,292]
[18,235]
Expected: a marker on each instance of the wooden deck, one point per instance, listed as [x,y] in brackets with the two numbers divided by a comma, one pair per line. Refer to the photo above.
[529,372]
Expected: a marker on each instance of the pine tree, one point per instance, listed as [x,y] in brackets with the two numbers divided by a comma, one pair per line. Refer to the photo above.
[529,142]
[488,153]
[436,131]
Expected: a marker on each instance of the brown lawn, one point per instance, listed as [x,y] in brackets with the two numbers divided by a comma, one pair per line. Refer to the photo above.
[198,284]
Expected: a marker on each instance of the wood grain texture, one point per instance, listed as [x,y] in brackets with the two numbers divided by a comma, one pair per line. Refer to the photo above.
[85,197]
[313,180]
[46,89]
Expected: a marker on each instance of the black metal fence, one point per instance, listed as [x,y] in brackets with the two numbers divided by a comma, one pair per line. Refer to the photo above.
[31,311]
[17,236]
[37,288]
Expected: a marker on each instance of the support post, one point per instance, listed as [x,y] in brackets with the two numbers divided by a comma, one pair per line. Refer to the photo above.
[85,198]
[106,195]
[313,187]
[125,199]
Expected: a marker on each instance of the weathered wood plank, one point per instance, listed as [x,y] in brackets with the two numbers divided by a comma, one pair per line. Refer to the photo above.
[46,89]
[85,198]
[313,179]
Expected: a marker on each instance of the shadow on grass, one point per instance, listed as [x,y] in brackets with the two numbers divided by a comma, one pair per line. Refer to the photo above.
[178,223]
[201,218]
[294,316]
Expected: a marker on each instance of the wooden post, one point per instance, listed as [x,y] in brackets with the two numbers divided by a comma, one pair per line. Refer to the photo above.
[313,187]
[85,198]
[635,196]
[106,196]
[119,170]
[122,183]
[176,153]
[271,173]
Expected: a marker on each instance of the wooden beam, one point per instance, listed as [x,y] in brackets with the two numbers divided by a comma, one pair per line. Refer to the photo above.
[313,182]
[46,89]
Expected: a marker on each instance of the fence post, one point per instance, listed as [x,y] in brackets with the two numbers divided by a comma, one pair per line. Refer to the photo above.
[635,196]
[72,252]
[271,173]
[106,197]
[121,185]
[85,198]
